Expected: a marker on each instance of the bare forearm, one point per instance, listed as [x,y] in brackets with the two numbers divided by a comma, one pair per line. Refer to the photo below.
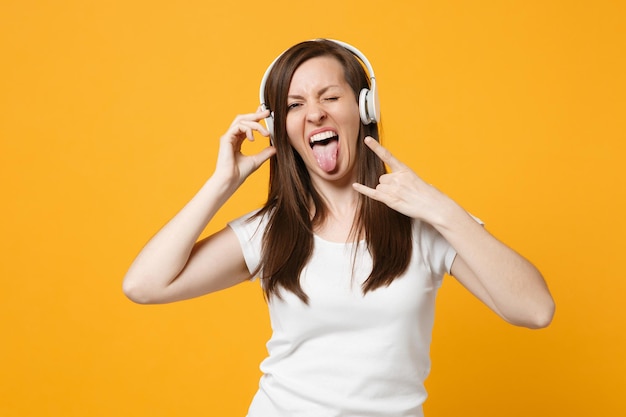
[166,254]
[167,268]
[514,288]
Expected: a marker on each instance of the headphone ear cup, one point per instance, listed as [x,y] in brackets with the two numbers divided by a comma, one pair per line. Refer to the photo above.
[269,123]
[373,105]
[368,105]
[364,106]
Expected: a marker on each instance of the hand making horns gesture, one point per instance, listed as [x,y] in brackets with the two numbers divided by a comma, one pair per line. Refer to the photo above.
[403,190]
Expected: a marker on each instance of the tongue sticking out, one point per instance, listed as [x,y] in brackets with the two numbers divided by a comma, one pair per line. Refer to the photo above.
[326,155]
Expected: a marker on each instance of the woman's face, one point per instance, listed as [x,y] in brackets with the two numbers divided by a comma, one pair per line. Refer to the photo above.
[323,119]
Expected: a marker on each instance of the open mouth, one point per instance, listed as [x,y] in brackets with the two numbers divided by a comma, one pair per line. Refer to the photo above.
[325,146]
[323,138]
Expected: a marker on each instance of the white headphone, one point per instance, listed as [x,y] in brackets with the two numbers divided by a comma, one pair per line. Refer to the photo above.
[368,98]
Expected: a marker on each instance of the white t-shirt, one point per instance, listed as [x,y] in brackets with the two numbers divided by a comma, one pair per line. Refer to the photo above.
[346,354]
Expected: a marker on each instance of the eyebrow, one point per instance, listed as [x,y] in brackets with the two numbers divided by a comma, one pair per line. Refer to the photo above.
[319,93]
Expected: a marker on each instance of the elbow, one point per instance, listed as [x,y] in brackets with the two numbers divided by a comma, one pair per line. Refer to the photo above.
[136,292]
[540,307]
[541,316]
[544,317]
[544,311]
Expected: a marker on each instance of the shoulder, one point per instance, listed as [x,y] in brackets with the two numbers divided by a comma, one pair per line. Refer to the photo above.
[250,223]
[249,230]
[243,219]
[432,248]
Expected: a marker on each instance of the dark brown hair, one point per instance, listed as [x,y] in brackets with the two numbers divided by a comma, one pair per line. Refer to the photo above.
[288,238]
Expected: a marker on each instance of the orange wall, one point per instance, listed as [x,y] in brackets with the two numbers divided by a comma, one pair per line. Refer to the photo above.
[110,114]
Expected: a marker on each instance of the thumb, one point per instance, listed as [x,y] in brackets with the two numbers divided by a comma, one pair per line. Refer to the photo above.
[264,155]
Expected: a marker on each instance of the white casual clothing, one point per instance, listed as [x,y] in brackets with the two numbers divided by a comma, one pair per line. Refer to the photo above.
[347,354]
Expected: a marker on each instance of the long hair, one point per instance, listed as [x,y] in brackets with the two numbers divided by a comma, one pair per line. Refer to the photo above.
[288,238]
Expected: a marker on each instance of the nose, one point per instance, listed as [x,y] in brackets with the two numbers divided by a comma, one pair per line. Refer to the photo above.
[315,113]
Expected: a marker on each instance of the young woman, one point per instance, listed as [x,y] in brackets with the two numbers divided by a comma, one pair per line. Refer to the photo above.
[350,257]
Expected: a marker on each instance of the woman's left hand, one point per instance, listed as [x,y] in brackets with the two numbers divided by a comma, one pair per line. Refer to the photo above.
[403,190]
[493,272]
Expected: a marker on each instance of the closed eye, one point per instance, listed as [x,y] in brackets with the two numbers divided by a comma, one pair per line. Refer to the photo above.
[293,106]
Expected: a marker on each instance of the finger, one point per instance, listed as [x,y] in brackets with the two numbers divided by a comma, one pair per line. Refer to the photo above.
[256,116]
[366,191]
[248,127]
[384,154]
[262,114]
[262,129]
[249,134]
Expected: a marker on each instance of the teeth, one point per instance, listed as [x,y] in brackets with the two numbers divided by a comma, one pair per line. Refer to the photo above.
[322,136]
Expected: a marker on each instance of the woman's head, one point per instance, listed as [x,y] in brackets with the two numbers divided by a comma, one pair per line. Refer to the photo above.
[283,90]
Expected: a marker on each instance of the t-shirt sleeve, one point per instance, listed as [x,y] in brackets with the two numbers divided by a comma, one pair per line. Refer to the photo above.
[435,250]
[249,232]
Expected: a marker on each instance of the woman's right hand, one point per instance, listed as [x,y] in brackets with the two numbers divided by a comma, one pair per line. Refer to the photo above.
[233,167]
[174,265]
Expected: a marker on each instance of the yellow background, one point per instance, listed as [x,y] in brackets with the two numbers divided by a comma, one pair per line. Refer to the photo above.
[110,114]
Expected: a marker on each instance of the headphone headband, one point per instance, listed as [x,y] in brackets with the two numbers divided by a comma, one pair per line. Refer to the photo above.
[347,46]
[368,98]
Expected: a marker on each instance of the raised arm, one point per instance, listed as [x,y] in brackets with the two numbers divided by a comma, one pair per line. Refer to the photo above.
[505,281]
[174,265]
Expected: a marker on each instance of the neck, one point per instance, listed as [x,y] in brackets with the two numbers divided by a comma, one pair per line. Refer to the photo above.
[341,204]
